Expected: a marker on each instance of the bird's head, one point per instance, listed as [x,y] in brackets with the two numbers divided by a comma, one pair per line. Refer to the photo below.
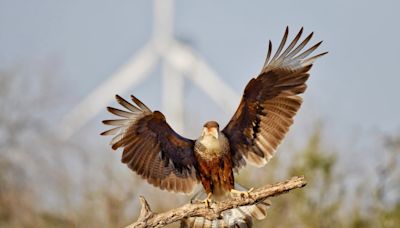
[211,128]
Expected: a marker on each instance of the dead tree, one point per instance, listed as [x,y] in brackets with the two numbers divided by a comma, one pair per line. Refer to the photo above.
[148,218]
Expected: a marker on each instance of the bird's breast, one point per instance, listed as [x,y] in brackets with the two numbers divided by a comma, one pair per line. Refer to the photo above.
[210,148]
[215,165]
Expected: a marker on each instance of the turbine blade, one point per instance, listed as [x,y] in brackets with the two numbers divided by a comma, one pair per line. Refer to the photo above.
[205,78]
[130,74]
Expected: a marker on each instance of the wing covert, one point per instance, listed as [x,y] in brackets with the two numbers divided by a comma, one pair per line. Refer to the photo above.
[152,148]
[269,102]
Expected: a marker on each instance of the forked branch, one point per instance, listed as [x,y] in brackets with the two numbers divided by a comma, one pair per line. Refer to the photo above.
[147,218]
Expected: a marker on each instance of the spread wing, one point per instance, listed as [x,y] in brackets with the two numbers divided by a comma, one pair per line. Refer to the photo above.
[152,148]
[270,102]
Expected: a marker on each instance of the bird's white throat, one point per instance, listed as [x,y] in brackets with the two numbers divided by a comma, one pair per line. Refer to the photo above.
[210,142]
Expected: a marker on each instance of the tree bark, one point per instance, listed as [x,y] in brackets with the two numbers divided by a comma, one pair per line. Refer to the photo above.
[148,218]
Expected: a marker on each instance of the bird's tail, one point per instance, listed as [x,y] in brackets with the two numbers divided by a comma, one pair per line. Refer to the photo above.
[237,217]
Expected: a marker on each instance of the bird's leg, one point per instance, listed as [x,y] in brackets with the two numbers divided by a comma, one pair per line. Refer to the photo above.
[241,193]
[207,201]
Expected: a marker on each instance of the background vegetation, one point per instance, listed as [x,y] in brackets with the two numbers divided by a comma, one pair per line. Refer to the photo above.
[47,182]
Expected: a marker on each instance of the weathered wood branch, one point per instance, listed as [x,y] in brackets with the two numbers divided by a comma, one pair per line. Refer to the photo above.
[148,218]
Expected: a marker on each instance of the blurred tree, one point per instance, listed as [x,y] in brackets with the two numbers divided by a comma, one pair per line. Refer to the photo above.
[37,170]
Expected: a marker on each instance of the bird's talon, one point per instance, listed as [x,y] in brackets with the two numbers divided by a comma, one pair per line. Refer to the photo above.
[207,201]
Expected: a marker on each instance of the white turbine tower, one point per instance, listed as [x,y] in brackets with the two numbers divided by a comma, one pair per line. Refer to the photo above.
[178,61]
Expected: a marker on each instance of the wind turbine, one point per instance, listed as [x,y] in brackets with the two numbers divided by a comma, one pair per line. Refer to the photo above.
[178,61]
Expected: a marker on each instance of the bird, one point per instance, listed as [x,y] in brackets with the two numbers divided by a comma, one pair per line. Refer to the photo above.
[175,163]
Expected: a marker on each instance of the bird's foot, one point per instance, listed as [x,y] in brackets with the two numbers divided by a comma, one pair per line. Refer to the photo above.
[208,200]
[235,192]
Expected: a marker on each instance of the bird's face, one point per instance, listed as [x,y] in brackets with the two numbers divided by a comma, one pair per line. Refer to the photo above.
[210,128]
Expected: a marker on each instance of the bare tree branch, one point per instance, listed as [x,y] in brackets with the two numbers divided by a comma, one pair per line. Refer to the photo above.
[147,218]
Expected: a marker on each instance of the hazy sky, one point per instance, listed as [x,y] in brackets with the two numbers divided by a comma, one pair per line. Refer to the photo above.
[355,86]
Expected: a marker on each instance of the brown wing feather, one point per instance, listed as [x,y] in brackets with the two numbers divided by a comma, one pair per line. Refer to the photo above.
[152,148]
[270,102]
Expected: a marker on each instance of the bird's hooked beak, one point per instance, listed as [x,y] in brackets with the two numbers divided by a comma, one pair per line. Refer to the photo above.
[213,131]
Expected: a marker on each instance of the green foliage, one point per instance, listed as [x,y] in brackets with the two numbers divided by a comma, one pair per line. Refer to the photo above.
[322,202]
